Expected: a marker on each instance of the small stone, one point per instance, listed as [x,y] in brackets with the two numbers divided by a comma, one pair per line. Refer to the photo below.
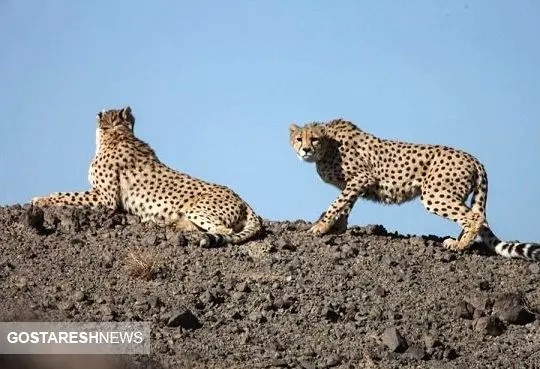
[236,315]
[393,340]
[79,296]
[307,364]
[107,310]
[22,283]
[478,314]
[176,238]
[418,242]
[330,314]
[184,319]
[242,287]
[141,305]
[332,360]
[375,229]
[207,297]
[150,240]
[465,310]
[387,260]
[154,302]
[534,268]
[239,296]
[489,325]
[449,353]
[510,308]
[379,291]
[280,363]
[256,316]
[480,302]
[415,352]
[66,306]
[430,342]
[107,260]
[484,286]
[284,302]
[282,244]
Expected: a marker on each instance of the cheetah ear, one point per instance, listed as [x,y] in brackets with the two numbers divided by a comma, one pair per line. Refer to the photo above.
[126,112]
[293,128]
[100,114]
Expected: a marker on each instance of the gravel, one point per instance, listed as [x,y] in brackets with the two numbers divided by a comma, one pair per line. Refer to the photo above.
[362,298]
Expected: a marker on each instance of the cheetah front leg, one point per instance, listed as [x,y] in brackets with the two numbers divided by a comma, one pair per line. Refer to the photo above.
[341,207]
[92,198]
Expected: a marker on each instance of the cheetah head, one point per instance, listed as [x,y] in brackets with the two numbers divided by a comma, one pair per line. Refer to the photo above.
[307,141]
[116,119]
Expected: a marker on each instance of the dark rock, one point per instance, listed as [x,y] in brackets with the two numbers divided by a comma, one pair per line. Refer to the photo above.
[379,291]
[478,313]
[330,314]
[35,218]
[511,309]
[450,353]
[184,319]
[393,340]
[465,310]
[489,325]
[484,285]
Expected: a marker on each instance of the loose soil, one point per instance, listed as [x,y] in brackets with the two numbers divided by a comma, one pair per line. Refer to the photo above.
[365,298]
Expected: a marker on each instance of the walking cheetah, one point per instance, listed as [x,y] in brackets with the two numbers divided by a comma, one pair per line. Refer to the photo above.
[126,174]
[393,172]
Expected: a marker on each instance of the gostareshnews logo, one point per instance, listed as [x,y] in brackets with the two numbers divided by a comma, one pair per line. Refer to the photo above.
[75,338]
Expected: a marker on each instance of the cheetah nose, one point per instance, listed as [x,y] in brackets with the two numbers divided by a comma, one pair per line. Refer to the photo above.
[307,150]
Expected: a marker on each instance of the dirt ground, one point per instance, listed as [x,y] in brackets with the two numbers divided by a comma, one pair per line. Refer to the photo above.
[361,299]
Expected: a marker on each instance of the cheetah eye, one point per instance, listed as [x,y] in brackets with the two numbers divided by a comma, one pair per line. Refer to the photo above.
[299,139]
[314,141]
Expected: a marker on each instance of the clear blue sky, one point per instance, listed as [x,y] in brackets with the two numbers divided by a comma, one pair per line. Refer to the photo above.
[215,84]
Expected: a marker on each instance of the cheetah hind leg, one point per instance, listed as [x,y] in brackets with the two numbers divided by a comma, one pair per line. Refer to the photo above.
[470,222]
[185,225]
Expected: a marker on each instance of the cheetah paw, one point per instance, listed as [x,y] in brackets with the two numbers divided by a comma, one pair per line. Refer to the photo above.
[451,244]
[320,228]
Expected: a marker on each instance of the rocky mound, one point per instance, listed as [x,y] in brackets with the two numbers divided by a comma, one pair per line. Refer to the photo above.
[364,298]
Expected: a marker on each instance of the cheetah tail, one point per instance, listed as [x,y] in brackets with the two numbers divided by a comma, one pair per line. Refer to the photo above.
[527,251]
[252,227]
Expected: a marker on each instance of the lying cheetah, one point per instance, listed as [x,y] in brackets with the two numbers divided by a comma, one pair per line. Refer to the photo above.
[393,172]
[126,174]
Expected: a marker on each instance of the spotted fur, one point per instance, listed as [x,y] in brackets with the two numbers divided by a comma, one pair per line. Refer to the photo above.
[392,172]
[127,174]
